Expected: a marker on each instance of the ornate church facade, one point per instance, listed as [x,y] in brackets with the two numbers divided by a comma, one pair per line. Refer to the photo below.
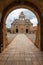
[21,25]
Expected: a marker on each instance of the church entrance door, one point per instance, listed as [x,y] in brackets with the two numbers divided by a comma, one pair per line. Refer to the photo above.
[26,30]
[16,30]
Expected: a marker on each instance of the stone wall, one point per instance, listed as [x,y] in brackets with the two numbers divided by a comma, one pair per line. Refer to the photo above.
[35,6]
[21,28]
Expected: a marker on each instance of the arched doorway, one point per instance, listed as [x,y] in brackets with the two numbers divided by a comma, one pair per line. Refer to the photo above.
[13,6]
[26,30]
[16,30]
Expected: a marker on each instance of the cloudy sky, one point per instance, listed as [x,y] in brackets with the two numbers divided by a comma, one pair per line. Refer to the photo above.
[15,15]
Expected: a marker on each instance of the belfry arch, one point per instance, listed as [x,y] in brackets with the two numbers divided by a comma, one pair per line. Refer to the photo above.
[12,7]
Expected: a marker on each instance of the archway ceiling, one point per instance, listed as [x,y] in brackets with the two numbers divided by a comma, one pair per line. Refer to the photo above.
[5,3]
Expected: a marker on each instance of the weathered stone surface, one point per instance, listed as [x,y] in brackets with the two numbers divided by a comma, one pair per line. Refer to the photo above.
[22,25]
[21,51]
[35,5]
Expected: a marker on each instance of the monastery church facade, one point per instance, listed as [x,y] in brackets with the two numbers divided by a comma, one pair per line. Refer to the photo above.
[21,25]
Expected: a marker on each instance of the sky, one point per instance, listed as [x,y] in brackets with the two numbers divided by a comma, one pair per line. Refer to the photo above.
[15,15]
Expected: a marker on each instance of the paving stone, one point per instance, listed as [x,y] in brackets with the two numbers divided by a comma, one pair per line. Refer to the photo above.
[21,51]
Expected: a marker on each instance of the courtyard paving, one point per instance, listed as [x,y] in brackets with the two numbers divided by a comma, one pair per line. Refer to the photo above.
[21,51]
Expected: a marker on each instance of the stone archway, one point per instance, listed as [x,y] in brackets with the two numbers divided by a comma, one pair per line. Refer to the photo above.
[11,7]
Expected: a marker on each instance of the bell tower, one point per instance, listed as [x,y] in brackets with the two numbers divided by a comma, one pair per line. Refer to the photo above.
[21,16]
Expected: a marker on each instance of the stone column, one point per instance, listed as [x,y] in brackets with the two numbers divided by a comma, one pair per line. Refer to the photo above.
[5,41]
[37,43]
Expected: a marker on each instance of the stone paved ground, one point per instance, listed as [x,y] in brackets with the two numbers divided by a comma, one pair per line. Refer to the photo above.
[21,51]
[10,37]
[32,37]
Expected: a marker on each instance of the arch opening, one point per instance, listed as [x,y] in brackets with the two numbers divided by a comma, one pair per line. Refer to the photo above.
[15,18]
[4,23]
